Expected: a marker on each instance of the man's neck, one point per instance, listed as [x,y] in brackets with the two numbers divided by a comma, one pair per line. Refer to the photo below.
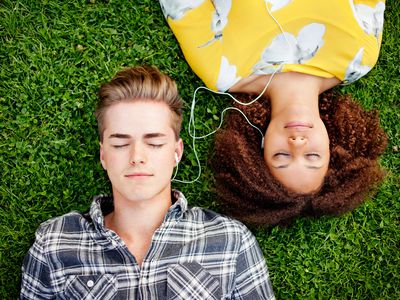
[136,221]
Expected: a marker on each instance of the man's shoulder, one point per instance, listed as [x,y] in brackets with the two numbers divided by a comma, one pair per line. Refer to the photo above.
[208,217]
[71,222]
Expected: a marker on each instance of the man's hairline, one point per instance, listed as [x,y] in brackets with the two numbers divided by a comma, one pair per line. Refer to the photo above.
[155,100]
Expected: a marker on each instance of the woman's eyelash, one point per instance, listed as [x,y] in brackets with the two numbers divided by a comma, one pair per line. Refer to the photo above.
[313,155]
[281,154]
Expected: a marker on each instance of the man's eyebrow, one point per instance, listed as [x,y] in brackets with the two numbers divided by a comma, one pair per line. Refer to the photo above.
[119,136]
[146,136]
[154,135]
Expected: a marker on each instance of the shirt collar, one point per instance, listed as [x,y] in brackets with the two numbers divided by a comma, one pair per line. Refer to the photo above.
[103,205]
[179,206]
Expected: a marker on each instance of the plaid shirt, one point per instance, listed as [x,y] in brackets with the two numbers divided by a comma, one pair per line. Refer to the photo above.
[194,254]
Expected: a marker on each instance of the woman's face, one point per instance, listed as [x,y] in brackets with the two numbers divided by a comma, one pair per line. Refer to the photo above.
[296,151]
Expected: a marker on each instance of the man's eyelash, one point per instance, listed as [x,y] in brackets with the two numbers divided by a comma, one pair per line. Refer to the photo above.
[156,145]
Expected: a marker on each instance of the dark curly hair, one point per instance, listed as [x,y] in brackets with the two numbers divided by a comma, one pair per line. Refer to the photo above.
[248,191]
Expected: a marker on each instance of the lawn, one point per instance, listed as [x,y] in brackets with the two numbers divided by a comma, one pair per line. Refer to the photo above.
[54,55]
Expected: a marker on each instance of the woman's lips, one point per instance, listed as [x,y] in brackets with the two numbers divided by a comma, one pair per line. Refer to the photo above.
[296,124]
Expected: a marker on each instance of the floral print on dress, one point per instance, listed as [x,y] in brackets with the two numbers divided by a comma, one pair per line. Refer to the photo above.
[355,69]
[227,75]
[277,4]
[220,59]
[176,9]
[370,18]
[288,49]
[219,19]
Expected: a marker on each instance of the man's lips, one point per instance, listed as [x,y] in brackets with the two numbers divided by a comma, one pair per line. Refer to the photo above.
[298,124]
[138,175]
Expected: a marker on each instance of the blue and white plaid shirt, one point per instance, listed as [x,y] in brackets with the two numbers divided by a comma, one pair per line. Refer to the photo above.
[195,254]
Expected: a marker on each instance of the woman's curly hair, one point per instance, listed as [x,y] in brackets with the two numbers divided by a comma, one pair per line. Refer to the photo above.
[249,192]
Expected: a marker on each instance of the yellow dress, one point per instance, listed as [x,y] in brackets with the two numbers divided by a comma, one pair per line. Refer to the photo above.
[227,40]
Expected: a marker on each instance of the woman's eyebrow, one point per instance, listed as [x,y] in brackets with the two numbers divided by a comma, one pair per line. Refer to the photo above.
[314,167]
[280,167]
[308,167]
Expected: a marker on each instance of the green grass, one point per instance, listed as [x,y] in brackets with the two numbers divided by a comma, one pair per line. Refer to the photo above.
[54,55]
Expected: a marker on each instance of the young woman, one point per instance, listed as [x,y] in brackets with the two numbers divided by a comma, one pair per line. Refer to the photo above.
[319,153]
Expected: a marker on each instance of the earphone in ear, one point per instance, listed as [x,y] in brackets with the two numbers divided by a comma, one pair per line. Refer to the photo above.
[176,158]
[176,167]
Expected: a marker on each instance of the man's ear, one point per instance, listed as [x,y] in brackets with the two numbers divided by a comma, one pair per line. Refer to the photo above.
[179,149]
[103,163]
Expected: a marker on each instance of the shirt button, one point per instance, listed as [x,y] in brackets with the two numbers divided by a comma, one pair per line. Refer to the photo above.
[114,243]
[144,280]
[90,283]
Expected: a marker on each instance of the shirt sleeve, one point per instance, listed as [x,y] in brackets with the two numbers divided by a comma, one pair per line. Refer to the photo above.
[252,278]
[36,273]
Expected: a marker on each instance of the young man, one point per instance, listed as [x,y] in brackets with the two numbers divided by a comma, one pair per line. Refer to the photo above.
[144,242]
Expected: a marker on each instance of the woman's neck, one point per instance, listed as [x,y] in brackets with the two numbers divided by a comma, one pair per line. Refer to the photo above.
[294,93]
[255,84]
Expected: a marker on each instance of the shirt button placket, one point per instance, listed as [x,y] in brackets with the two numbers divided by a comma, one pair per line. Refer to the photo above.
[144,279]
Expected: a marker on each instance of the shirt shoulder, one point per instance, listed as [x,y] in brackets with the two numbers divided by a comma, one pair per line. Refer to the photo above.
[73,222]
[210,218]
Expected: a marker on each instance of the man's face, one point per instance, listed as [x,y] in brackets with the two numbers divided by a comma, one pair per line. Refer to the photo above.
[138,150]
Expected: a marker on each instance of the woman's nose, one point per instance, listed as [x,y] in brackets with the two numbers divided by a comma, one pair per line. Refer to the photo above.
[297,140]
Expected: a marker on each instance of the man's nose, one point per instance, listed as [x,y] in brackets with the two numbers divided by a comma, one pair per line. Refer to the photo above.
[137,155]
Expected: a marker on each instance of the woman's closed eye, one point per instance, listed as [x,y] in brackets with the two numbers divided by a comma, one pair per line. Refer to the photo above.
[313,156]
[281,154]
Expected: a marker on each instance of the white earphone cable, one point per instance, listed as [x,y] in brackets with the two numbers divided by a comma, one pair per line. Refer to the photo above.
[191,125]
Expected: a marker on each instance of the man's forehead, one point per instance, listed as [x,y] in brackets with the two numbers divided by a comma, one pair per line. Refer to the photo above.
[140,107]
[139,119]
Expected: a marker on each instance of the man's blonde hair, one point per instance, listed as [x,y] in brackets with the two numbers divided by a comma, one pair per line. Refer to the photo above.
[144,83]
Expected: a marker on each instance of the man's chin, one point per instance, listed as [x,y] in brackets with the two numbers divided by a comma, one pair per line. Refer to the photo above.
[139,196]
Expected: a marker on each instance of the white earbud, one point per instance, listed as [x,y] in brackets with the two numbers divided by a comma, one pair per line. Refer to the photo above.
[176,167]
[176,158]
